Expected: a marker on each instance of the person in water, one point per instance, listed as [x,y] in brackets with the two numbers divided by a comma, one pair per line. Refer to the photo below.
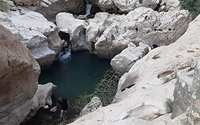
[64,105]
[154,46]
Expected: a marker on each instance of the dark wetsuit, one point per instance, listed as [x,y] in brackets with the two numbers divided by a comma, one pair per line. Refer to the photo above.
[154,45]
[64,104]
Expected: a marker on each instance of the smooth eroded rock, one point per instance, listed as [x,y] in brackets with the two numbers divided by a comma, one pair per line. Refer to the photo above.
[35,32]
[19,74]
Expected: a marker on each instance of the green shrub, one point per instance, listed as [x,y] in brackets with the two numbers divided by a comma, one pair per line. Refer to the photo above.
[192,5]
[107,87]
[3,6]
[169,105]
[105,90]
[190,69]
[140,1]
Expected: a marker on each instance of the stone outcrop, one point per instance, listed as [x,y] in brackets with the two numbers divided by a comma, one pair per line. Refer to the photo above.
[19,74]
[186,107]
[50,8]
[150,81]
[108,34]
[128,57]
[93,105]
[75,28]
[125,6]
[44,93]
[35,32]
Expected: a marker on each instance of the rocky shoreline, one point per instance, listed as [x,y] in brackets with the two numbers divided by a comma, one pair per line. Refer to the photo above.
[123,32]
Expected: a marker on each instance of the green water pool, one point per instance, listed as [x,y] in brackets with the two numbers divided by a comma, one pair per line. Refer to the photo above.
[75,73]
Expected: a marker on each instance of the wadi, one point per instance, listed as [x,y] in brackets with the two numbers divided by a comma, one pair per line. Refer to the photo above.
[99,62]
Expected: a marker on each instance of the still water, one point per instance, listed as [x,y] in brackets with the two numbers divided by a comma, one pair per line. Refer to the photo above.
[75,73]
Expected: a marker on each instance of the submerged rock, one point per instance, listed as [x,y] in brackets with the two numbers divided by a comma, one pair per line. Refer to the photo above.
[19,74]
[35,32]
[93,105]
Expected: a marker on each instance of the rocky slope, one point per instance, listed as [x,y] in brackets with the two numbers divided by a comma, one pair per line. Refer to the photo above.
[108,34]
[154,77]
[19,74]
[34,31]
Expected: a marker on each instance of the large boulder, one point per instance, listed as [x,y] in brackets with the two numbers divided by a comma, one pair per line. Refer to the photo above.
[35,32]
[75,28]
[19,74]
[106,5]
[44,93]
[108,34]
[50,8]
[93,105]
[128,57]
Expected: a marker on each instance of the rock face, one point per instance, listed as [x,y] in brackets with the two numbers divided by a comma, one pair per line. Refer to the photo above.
[50,8]
[94,104]
[44,93]
[186,108]
[108,34]
[19,73]
[128,57]
[35,32]
[75,28]
[154,77]
[125,6]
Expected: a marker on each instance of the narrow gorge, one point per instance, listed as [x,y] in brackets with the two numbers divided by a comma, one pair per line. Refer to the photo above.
[66,48]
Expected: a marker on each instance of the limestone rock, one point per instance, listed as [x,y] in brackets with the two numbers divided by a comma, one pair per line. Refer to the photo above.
[162,5]
[128,57]
[150,88]
[35,32]
[44,93]
[74,27]
[106,5]
[93,105]
[19,74]
[108,34]
[125,6]
[26,2]
[50,8]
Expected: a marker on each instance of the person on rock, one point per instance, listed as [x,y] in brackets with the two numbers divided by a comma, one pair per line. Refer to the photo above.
[64,105]
[154,46]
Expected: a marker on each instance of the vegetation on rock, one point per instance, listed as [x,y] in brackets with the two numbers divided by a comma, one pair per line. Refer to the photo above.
[192,5]
[169,105]
[3,6]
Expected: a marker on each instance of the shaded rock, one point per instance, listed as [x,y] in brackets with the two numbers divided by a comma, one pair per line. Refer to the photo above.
[93,105]
[19,74]
[50,8]
[35,32]
[76,29]
[44,93]
[128,57]
[107,5]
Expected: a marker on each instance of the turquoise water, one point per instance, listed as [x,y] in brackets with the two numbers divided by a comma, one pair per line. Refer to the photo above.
[75,73]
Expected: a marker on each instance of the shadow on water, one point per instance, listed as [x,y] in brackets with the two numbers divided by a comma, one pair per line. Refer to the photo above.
[74,74]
